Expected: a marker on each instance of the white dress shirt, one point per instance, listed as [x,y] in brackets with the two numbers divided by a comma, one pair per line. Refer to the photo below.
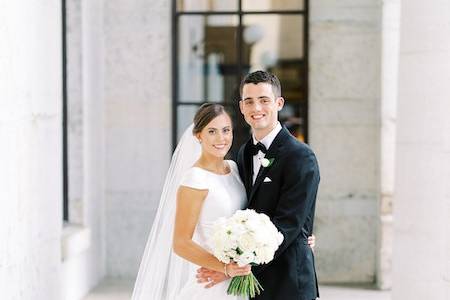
[266,141]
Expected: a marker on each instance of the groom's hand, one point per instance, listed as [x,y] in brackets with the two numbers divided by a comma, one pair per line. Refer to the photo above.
[312,241]
[211,277]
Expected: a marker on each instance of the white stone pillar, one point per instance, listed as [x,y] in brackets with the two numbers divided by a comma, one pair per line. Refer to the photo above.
[138,105]
[84,238]
[30,149]
[388,109]
[421,258]
[344,122]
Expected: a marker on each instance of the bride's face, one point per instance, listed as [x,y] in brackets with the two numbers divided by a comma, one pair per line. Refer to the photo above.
[216,138]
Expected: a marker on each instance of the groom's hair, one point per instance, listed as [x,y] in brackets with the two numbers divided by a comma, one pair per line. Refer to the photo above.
[262,77]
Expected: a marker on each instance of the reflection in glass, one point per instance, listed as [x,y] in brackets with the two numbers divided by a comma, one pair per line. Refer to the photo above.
[276,45]
[207,5]
[273,38]
[210,64]
[207,58]
[269,5]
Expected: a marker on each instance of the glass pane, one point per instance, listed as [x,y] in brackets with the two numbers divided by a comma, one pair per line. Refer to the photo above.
[207,5]
[207,58]
[268,5]
[270,39]
[185,118]
[275,43]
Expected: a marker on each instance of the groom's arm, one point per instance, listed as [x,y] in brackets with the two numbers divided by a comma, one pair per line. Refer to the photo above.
[297,197]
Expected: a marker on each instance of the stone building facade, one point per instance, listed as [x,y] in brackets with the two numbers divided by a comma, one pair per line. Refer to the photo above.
[378,106]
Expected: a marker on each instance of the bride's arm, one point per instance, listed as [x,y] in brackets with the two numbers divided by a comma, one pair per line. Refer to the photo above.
[189,205]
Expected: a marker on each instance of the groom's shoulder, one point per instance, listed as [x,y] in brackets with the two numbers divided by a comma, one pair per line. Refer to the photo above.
[298,152]
[296,147]
[300,156]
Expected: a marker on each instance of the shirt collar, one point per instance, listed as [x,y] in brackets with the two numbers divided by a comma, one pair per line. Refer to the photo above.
[268,139]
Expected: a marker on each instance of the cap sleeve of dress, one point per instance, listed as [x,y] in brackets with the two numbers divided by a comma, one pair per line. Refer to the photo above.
[194,178]
[233,166]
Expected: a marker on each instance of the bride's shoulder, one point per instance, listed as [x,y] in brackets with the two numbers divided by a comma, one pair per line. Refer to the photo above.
[233,165]
[193,172]
[195,178]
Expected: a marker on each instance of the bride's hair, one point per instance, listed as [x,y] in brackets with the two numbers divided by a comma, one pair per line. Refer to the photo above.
[205,114]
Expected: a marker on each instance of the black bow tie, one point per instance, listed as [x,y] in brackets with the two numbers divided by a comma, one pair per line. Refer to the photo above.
[258,147]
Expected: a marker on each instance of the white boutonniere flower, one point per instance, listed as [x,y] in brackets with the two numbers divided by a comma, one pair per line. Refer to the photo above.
[267,162]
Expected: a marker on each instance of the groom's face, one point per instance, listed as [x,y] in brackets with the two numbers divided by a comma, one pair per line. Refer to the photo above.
[260,107]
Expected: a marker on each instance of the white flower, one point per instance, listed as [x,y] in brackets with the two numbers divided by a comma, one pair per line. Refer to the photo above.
[246,242]
[265,254]
[240,216]
[246,258]
[266,162]
[247,237]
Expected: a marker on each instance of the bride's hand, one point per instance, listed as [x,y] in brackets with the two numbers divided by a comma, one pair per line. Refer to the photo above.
[210,277]
[234,270]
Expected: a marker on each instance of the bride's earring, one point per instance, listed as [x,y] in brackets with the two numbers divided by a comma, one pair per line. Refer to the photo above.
[200,141]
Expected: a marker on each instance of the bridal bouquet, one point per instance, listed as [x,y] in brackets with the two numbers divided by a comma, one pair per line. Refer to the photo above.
[247,237]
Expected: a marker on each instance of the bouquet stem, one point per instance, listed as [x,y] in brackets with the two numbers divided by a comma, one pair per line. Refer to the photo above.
[246,285]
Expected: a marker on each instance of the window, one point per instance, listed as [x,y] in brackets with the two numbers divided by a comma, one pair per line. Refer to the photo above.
[217,42]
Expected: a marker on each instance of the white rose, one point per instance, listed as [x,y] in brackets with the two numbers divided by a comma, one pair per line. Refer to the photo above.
[246,242]
[240,216]
[264,254]
[245,258]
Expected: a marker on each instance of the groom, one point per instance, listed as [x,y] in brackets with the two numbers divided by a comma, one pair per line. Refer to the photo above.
[281,177]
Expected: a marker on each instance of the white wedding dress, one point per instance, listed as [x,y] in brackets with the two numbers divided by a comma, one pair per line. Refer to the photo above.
[163,275]
[226,194]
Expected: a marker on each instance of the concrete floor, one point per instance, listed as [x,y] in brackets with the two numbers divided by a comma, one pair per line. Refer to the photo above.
[121,290]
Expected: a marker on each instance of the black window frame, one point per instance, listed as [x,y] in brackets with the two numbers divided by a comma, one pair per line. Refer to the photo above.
[176,103]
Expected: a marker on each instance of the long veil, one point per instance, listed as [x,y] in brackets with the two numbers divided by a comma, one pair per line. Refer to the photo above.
[162,273]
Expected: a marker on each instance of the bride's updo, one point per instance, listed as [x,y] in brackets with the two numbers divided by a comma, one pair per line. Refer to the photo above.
[205,114]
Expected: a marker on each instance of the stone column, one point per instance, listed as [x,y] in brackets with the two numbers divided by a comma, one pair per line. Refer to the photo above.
[84,238]
[31,149]
[388,110]
[138,103]
[421,255]
[345,85]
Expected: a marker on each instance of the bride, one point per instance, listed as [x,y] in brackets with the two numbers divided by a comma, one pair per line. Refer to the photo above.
[201,186]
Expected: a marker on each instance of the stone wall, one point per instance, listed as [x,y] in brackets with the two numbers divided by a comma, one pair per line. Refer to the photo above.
[344,103]
[137,125]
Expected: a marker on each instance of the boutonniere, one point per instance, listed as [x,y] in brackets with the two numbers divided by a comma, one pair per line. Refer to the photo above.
[267,162]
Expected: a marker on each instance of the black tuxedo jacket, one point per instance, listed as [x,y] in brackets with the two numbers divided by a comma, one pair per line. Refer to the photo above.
[289,200]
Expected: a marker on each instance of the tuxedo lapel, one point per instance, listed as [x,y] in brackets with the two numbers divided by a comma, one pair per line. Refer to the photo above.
[272,153]
[248,168]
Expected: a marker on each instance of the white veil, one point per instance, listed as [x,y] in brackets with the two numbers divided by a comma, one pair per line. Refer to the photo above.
[162,273]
